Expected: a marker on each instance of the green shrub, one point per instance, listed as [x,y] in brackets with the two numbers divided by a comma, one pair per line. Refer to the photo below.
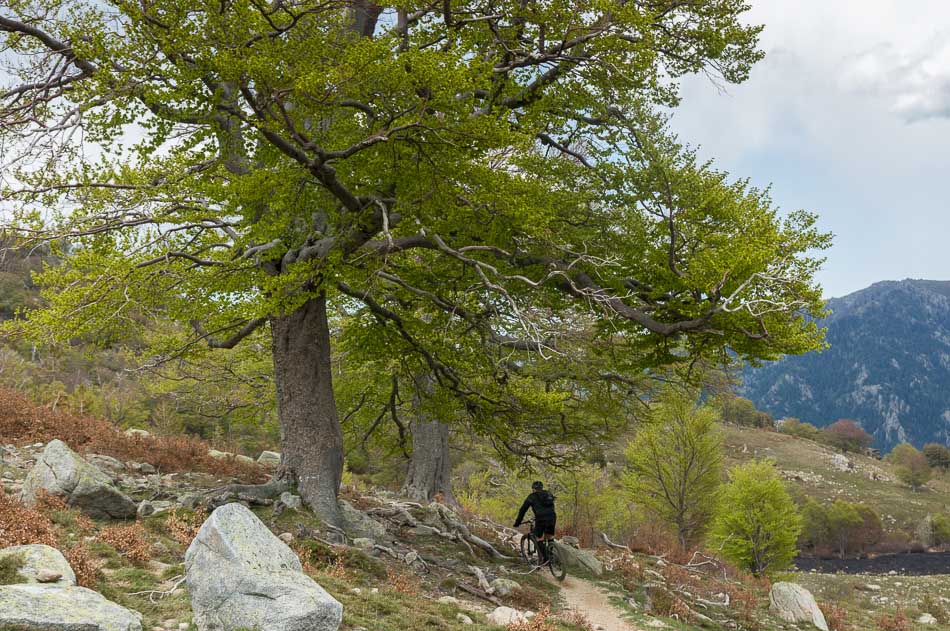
[757,525]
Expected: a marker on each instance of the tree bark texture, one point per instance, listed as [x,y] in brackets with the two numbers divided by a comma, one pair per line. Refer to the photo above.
[430,466]
[312,442]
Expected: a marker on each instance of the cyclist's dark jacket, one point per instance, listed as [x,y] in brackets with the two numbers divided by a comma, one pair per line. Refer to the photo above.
[542,503]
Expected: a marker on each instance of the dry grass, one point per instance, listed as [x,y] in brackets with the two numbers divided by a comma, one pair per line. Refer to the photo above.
[130,540]
[836,616]
[896,621]
[84,566]
[541,621]
[22,421]
[182,527]
[20,525]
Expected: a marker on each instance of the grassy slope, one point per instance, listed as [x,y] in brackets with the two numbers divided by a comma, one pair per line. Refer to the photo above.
[900,507]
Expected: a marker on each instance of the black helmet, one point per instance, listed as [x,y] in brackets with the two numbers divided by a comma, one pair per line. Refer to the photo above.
[537,485]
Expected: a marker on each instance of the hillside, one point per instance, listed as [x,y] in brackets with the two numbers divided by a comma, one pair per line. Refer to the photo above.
[404,566]
[887,367]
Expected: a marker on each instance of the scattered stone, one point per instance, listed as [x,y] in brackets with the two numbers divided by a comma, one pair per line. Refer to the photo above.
[240,575]
[60,471]
[290,500]
[504,616]
[926,618]
[655,623]
[220,455]
[363,543]
[137,433]
[568,540]
[286,537]
[450,600]
[8,475]
[41,564]
[244,459]
[461,617]
[504,586]
[147,469]
[359,524]
[269,459]
[793,603]
[64,608]
[106,464]
[841,463]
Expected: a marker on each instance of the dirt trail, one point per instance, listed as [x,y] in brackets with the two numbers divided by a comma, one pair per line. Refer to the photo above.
[589,600]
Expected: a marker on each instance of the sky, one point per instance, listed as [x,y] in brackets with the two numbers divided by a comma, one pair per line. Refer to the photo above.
[847,116]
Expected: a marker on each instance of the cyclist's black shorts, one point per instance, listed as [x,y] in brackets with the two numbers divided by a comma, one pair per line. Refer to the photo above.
[544,527]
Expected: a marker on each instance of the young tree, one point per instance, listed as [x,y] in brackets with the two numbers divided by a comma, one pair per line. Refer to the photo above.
[938,456]
[757,524]
[913,469]
[674,465]
[847,435]
[278,165]
[844,521]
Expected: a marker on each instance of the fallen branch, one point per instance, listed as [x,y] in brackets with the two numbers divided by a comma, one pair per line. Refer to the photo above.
[153,593]
[474,591]
[611,544]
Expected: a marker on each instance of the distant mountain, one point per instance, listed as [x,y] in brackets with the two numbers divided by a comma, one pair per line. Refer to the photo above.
[888,366]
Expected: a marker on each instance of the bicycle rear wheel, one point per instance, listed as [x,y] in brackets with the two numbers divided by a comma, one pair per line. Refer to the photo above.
[529,549]
[554,562]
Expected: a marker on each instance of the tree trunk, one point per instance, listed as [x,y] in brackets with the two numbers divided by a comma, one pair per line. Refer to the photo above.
[430,467]
[311,439]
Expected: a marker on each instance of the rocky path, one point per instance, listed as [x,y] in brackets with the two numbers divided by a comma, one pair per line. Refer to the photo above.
[591,601]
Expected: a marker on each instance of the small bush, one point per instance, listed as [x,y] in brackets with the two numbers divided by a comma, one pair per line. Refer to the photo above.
[835,616]
[84,566]
[130,541]
[540,622]
[20,525]
[183,527]
[896,621]
[933,606]
[664,603]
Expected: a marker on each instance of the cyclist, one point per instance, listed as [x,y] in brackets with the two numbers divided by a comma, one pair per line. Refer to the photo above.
[541,503]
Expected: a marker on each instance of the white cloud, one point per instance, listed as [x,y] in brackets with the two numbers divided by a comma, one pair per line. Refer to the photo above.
[848,115]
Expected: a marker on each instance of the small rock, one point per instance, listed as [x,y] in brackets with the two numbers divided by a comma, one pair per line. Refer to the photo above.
[574,542]
[220,455]
[7,475]
[269,459]
[291,501]
[655,623]
[504,616]
[926,618]
[461,617]
[137,433]
[504,586]
[244,459]
[450,600]
[46,575]
[286,537]
[359,524]
[363,543]
[148,469]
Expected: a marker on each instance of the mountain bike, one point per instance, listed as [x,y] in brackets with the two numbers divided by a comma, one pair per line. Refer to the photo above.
[530,548]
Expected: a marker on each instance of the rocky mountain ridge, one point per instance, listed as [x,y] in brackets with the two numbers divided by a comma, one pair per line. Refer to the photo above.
[888,366]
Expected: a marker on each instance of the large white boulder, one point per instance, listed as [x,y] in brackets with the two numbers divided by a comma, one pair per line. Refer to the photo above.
[240,576]
[40,564]
[793,603]
[61,471]
[52,608]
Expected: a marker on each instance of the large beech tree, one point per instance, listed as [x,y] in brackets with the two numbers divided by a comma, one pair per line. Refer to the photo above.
[243,164]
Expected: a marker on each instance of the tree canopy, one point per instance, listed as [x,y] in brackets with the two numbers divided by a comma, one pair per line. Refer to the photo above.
[497,167]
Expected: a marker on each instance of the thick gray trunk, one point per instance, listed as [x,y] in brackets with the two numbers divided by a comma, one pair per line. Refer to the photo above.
[312,442]
[430,467]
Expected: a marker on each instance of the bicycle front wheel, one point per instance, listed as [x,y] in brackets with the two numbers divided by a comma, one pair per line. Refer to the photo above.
[554,562]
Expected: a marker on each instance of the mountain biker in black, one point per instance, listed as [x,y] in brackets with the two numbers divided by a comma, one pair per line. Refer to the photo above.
[541,503]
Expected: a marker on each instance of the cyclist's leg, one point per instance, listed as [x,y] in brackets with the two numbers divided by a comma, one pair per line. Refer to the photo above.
[538,531]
